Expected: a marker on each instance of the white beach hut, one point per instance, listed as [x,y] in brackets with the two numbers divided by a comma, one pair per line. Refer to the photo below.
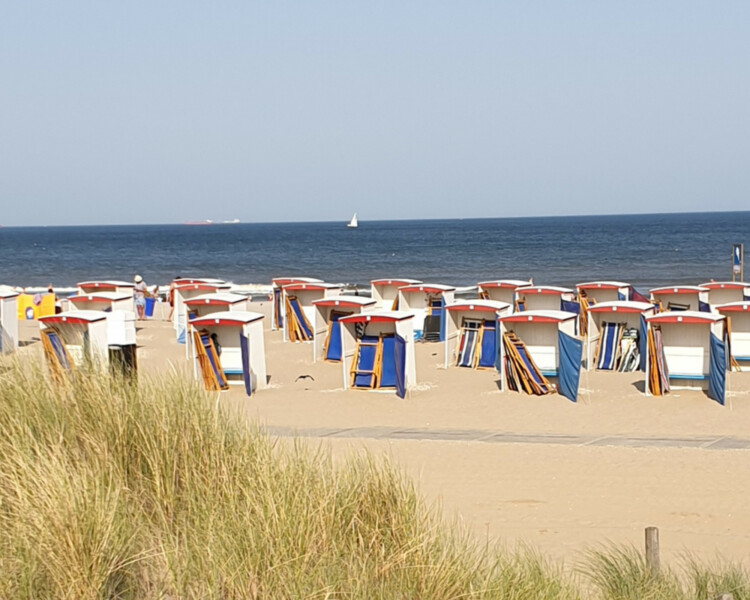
[299,310]
[277,307]
[103,301]
[501,290]
[228,348]
[205,304]
[724,292]
[616,338]
[543,344]
[91,287]
[8,321]
[385,291]
[185,290]
[738,326]
[544,297]
[426,302]
[89,337]
[471,332]
[681,297]
[326,326]
[378,351]
[686,350]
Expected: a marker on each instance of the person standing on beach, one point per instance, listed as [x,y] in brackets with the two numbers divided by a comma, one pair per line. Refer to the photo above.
[139,296]
[170,297]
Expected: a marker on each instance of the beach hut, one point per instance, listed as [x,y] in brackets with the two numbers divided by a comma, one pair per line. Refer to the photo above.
[385,291]
[681,297]
[725,292]
[33,306]
[277,307]
[8,321]
[185,290]
[89,337]
[103,301]
[299,310]
[686,350]
[378,351]
[537,345]
[205,304]
[326,327]
[501,290]
[90,287]
[228,349]
[738,327]
[471,332]
[545,297]
[426,301]
[616,338]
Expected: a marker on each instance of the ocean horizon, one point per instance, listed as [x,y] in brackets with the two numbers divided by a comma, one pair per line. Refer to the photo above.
[646,250]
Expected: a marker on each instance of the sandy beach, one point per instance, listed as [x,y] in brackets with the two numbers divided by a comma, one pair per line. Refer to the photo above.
[558,475]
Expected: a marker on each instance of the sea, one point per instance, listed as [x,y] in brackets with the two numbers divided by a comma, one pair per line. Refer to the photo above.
[644,250]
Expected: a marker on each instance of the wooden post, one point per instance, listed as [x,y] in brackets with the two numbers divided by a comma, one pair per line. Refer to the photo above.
[652,549]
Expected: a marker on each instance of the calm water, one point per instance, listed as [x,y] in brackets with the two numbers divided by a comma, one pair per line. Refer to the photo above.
[646,250]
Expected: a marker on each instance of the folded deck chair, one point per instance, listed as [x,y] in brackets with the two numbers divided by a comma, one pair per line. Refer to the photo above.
[522,369]
[332,344]
[468,342]
[387,377]
[298,326]
[208,359]
[365,366]
[56,353]
[488,346]
[609,346]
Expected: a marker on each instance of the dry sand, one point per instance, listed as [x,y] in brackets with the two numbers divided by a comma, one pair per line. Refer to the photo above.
[558,496]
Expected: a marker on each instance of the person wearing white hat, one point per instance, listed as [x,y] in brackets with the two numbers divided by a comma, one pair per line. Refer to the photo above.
[139,296]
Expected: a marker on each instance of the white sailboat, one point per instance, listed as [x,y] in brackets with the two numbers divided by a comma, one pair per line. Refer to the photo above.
[353,223]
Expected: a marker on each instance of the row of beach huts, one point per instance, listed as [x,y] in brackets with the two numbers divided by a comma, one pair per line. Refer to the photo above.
[538,338]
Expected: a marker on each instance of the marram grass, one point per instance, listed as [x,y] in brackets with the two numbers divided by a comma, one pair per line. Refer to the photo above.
[109,490]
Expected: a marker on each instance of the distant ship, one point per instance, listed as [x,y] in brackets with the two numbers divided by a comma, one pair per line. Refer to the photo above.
[206,222]
[353,224]
[232,222]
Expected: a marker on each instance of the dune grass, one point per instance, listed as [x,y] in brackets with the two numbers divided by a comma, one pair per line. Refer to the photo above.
[111,490]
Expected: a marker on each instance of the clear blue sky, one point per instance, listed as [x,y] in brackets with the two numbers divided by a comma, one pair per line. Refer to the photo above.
[165,111]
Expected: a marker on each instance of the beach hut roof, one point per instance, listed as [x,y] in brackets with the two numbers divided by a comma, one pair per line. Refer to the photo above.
[106,283]
[282,281]
[304,285]
[543,289]
[75,316]
[505,283]
[203,285]
[6,294]
[720,285]
[478,305]
[100,297]
[227,318]
[211,280]
[602,285]
[398,282]
[678,289]
[685,316]
[430,288]
[382,316]
[623,306]
[539,316]
[216,298]
[345,301]
[730,307]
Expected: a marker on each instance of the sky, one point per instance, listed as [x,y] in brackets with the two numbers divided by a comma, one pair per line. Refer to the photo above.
[167,111]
